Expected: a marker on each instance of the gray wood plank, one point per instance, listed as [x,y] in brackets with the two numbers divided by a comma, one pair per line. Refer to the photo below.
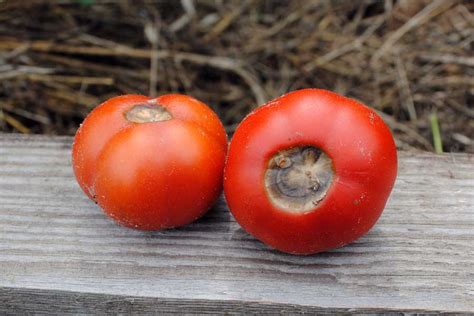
[59,252]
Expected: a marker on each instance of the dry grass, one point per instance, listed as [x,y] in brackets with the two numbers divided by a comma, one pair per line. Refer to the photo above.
[409,59]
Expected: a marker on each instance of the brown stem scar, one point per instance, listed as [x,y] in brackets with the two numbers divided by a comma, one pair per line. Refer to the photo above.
[145,113]
[297,179]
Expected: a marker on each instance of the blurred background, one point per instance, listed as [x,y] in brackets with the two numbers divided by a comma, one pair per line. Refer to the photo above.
[411,60]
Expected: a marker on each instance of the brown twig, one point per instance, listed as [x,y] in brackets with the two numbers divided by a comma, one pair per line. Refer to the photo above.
[71,79]
[214,61]
[433,9]
[404,86]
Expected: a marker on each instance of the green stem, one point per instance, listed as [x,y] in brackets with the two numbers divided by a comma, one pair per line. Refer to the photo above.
[437,142]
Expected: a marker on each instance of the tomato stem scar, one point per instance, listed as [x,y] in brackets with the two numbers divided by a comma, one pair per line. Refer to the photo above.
[297,179]
[145,113]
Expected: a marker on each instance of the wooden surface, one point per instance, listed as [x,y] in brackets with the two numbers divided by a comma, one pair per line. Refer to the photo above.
[59,253]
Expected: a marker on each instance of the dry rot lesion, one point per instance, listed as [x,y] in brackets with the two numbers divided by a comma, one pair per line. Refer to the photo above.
[145,113]
[297,179]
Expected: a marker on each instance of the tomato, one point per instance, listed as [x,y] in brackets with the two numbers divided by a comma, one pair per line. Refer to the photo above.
[310,171]
[151,163]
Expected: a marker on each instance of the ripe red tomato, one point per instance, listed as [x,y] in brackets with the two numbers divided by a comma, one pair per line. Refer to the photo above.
[310,171]
[151,163]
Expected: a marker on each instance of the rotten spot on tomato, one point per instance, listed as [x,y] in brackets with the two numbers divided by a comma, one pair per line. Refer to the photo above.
[145,113]
[297,179]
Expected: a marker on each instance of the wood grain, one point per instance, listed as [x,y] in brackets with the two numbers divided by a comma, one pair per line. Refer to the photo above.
[59,253]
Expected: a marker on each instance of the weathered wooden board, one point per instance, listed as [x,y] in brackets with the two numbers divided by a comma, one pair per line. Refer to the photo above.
[58,252]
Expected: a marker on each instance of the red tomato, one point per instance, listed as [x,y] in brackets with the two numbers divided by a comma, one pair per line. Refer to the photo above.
[310,171]
[151,163]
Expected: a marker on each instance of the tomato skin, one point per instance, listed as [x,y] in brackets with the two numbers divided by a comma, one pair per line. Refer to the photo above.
[96,130]
[151,175]
[364,159]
